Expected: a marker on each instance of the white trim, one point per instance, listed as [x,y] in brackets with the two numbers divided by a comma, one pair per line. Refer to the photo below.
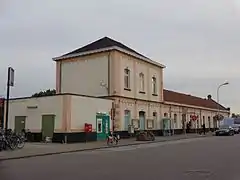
[195,107]
[109,49]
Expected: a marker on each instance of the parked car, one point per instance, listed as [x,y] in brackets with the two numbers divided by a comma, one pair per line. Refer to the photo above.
[236,128]
[225,130]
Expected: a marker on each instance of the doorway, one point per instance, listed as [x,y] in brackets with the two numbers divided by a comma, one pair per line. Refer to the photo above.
[20,123]
[127,119]
[209,123]
[141,120]
[48,124]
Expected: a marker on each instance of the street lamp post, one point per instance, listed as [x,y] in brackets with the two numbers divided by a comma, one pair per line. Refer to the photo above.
[218,108]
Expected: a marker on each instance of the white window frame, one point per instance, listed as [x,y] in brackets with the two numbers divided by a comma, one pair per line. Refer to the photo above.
[126,78]
[99,121]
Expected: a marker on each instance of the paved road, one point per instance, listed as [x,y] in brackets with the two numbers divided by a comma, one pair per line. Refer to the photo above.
[191,159]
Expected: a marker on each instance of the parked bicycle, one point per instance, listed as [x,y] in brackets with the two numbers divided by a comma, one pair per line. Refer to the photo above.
[113,139]
[10,140]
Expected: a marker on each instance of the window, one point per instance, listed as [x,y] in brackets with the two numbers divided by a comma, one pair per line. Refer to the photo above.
[175,118]
[127,119]
[135,123]
[209,122]
[141,79]
[165,115]
[99,125]
[150,124]
[127,78]
[154,85]
[154,118]
[154,115]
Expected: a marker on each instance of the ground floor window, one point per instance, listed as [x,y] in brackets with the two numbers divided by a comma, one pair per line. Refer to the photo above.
[135,123]
[150,124]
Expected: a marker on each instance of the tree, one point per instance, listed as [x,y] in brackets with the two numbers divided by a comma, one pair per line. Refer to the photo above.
[235,115]
[48,92]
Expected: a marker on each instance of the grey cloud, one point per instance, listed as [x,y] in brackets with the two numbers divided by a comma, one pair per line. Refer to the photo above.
[198,41]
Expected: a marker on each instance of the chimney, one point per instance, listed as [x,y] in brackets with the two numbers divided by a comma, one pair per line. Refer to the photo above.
[209,97]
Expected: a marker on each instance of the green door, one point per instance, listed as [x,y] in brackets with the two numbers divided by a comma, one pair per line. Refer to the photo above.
[102,126]
[20,123]
[48,122]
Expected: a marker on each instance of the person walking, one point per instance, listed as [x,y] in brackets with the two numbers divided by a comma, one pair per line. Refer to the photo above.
[204,129]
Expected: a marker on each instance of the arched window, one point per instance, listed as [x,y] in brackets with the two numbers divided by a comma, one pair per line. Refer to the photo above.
[141,79]
[165,114]
[126,78]
[154,85]
[175,117]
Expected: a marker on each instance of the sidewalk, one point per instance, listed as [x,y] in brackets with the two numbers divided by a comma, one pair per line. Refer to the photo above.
[41,149]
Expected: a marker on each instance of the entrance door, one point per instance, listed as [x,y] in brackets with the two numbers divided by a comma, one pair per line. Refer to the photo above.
[48,123]
[102,126]
[20,123]
[142,120]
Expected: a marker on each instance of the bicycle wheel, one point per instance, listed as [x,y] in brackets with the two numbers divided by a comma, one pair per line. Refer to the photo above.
[115,141]
[109,142]
[12,143]
[20,142]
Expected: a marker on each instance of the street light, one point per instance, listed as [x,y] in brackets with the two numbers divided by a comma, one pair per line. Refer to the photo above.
[224,84]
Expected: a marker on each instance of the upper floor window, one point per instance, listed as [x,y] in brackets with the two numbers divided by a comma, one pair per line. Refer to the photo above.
[127,78]
[203,120]
[175,117]
[154,85]
[141,79]
[154,115]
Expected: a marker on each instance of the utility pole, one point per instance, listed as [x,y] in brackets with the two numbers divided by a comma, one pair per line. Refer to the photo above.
[113,114]
[10,82]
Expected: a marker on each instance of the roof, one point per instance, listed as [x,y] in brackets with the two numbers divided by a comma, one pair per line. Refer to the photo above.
[180,98]
[106,44]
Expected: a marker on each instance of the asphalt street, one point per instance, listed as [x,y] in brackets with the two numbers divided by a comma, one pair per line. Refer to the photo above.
[192,159]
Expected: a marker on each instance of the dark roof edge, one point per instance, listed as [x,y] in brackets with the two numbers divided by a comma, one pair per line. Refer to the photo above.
[61,58]
[197,97]
[162,102]
[60,94]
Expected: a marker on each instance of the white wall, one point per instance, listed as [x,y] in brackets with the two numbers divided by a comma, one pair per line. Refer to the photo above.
[84,76]
[84,110]
[136,67]
[45,105]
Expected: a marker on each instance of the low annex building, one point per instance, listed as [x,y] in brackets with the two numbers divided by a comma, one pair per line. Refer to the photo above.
[181,108]
[108,74]
[61,117]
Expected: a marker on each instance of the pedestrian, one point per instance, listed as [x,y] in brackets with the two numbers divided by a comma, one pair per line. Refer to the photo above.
[204,128]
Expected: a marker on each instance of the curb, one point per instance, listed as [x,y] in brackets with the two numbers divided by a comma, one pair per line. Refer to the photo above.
[97,148]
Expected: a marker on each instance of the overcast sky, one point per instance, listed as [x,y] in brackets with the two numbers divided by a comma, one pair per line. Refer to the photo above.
[198,40]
